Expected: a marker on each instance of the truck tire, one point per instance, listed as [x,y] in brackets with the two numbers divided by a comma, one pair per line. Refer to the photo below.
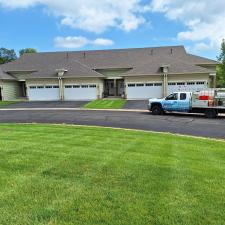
[157,110]
[210,113]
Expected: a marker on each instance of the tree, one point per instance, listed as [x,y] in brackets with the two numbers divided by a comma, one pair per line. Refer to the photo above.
[27,50]
[221,68]
[7,55]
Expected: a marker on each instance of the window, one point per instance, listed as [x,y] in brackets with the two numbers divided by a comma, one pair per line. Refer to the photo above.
[139,85]
[180,83]
[158,84]
[183,96]
[172,84]
[172,97]
[33,87]
[40,87]
[190,83]
[84,86]
[55,86]
[131,85]
[48,87]
[76,86]
[68,86]
[200,82]
[148,85]
[92,86]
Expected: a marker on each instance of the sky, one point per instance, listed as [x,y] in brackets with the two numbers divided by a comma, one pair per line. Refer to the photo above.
[68,25]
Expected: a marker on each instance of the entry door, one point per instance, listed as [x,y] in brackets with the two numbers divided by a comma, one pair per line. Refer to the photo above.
[110,87]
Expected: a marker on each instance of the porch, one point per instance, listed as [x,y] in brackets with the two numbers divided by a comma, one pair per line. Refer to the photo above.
[114,88]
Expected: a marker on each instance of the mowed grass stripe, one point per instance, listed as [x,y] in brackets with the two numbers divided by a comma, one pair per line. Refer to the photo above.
[106,104]
[56,174]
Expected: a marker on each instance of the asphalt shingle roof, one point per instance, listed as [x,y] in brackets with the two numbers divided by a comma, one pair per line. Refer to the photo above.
[84,63]
[5,76]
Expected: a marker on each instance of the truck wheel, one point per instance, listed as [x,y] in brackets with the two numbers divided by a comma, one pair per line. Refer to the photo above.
[210,113]
[157,110]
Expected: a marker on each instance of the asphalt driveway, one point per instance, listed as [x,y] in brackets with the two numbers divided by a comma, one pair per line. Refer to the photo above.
[49,104]
[174,123]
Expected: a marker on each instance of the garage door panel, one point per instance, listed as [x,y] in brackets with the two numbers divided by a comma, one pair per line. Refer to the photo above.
[144,91]
[80,92]
[186,86]
[43,93]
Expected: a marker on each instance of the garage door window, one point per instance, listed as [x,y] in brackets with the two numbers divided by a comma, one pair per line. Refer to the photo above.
[48,87]
[140,85]
[33,87]
[76,86]
[148,85]
[68,86]
[158,84]
[84,86]
[92,86]
[55,86]
[131,85]
[172,84]
[40,87]
[190,83]
[200,82]
[181,83]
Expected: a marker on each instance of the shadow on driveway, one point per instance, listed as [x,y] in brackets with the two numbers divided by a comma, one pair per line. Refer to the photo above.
[49,104]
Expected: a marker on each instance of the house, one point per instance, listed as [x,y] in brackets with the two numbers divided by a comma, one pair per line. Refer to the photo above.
[85,75]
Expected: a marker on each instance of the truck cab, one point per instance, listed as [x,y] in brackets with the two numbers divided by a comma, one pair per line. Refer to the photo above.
[177,102]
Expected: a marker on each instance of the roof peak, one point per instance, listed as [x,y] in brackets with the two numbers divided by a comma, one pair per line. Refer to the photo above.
[113,50]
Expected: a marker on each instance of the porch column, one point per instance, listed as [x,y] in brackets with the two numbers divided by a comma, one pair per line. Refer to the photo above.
[165,84]
[115,87]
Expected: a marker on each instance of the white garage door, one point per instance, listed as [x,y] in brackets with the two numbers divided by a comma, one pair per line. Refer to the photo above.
[80,92]
[186,86]
[43,93]
[144,90]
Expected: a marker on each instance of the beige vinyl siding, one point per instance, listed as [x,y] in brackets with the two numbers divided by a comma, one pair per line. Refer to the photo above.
[10,90]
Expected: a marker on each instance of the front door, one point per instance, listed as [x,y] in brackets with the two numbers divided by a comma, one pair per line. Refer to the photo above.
[109,88]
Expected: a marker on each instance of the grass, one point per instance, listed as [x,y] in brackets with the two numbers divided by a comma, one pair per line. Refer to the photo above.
[106,104]
[57,174]
[6,103]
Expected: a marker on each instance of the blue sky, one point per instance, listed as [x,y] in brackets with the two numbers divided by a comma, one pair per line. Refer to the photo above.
[49,25]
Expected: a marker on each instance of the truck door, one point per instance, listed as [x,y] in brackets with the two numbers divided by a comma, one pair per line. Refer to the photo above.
[171,102]
[183,102]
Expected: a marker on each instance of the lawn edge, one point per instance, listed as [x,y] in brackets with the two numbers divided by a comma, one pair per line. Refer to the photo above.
[120,128]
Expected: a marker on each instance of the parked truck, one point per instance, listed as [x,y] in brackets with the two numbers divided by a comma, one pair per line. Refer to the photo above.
[210,102]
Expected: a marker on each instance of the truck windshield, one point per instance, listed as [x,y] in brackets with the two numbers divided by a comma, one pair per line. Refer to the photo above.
[172,97]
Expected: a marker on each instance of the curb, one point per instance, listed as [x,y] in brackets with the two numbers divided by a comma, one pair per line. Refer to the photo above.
[73,109]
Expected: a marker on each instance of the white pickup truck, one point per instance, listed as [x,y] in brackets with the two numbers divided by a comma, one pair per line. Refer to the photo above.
[210,102]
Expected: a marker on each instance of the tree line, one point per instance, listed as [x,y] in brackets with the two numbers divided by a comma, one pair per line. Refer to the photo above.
[9,55]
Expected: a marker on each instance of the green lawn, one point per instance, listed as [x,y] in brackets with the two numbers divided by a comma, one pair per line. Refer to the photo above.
[106,104]
[52,174]
[6,103]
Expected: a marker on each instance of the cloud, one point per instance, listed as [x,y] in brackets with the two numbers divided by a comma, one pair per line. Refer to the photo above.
[78,42]
[203,19]
[89,15]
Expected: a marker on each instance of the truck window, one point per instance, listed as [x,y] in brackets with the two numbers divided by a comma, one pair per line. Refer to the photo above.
[172,97]
[183,96]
